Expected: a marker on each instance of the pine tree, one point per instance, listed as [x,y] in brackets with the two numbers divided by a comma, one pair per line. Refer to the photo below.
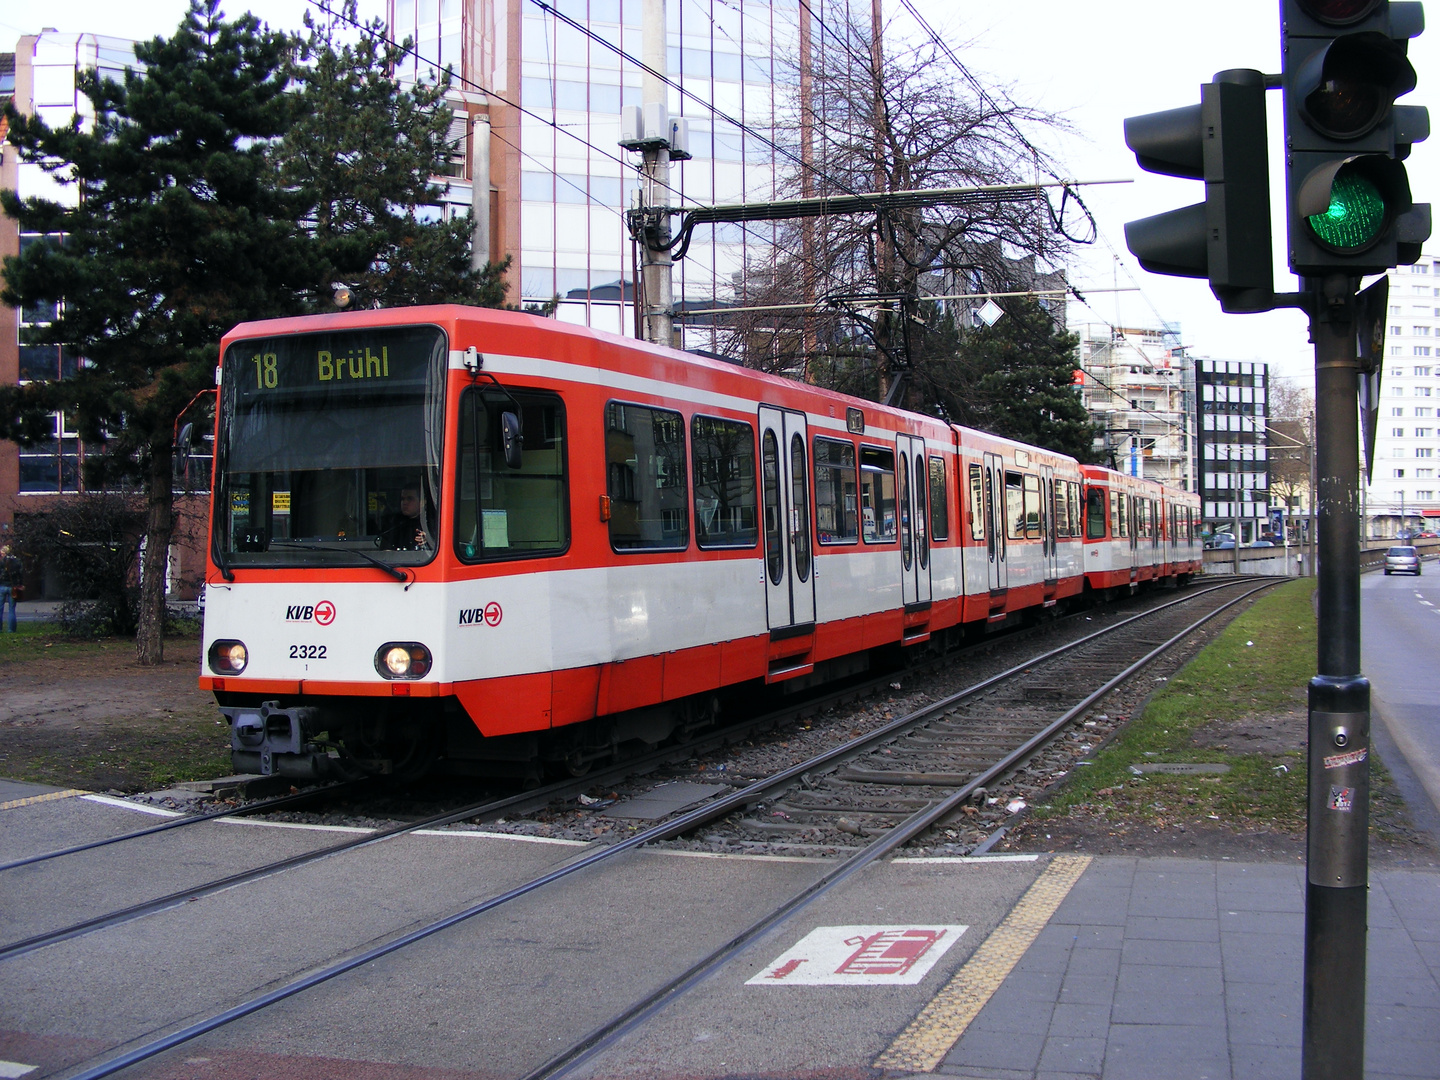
[1024,376]
[178,231]
[362,153]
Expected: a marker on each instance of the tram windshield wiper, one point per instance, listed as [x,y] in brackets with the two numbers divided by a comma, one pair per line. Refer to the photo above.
[393,571]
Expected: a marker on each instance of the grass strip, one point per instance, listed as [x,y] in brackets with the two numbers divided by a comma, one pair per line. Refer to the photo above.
[1251,679]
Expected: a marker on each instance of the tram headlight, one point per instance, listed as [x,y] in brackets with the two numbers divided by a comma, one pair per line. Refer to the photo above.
[228,657]
[402,660]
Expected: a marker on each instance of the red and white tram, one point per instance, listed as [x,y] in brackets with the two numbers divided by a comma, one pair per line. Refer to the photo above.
[1138,531]
[494,538]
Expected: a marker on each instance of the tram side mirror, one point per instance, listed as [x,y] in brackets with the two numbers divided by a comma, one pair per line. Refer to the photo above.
[510,438]
[187,439]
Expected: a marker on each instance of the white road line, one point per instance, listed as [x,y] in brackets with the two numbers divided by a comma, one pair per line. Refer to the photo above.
[295,825]
[520,837]
[959,859]
[10,1070]
[126,804]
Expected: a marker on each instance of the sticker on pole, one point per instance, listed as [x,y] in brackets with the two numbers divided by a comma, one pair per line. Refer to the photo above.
[860,956]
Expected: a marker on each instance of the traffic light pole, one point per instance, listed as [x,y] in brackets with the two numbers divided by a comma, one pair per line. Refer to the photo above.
[1337,857]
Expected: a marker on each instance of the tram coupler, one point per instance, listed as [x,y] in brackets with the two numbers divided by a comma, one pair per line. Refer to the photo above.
[273,741]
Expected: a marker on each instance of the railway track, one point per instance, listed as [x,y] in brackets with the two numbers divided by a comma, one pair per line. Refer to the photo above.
[488,809]
[891,786]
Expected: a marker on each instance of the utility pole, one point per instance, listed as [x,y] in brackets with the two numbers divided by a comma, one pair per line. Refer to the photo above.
[480,188]
[809,342]
[658,319]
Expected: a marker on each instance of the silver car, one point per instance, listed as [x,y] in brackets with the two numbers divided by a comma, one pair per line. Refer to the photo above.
[1404,560]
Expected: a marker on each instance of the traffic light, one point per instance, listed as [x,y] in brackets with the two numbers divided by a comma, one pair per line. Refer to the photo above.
[1226,238]
[1343,64]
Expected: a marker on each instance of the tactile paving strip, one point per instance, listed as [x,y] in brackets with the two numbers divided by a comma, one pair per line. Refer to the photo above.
[68,793]
[922,1046]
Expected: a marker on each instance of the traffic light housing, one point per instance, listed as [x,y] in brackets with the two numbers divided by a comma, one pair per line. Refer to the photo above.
[1348,196]
[1226,238]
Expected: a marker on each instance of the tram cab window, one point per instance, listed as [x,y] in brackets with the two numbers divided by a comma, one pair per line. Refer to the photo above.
[645,478]
[837,509]
[939,501]
[877,494]
[724,459]
[330,448]
[1095,513]
[500,512]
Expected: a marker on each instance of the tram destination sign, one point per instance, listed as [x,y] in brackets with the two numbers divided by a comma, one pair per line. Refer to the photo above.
[371,359]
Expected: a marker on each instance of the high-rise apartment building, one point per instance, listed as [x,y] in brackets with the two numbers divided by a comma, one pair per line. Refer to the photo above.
[1232,440]
[1403,489]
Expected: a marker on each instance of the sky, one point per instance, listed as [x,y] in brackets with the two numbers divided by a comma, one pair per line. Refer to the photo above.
[1092,65]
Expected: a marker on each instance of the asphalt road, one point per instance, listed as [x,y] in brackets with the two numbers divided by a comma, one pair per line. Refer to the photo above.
[1400,643]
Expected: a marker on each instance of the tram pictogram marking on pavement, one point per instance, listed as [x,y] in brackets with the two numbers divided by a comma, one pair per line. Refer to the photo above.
[860,956]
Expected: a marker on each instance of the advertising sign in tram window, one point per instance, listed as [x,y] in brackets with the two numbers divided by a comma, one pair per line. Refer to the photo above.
[330,446]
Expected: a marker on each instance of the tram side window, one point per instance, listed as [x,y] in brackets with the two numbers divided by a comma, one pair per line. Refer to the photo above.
[1075,510]
[1095,513]
[1119,523]
[1062,509]
[939,501]
[1032,507]
[724,453]
[502,512]
[977,504]
[1014,506]
[645,478]
[877,494]
[837,505]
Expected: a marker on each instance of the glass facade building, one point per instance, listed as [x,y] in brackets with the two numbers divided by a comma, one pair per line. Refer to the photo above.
[553,83]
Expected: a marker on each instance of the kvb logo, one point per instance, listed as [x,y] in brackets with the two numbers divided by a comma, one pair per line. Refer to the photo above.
[322,613]
[489,615]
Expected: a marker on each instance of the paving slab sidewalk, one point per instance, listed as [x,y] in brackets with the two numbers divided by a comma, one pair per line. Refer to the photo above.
[1173,969]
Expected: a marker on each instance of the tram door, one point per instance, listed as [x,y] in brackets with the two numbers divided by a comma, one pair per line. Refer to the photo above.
[995,521]
[1047,523]
[912,491]
[785,500]
[1133,504]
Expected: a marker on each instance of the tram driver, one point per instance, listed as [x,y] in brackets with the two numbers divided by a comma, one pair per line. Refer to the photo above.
[407,532]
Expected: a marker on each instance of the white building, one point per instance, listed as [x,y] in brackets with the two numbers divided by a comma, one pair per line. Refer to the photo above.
[1403,490]
[1138,385]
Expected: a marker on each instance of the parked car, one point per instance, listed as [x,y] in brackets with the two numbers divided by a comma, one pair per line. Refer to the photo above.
[1402,559]
[1225,542]
[1261,543]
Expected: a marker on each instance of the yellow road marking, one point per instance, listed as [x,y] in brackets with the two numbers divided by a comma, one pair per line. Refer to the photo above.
[922,1046]
[68,793]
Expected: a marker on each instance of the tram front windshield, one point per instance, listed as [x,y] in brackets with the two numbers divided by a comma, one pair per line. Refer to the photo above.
[329,448]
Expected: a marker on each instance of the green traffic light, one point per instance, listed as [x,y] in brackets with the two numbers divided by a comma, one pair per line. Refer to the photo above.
[1356,216]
